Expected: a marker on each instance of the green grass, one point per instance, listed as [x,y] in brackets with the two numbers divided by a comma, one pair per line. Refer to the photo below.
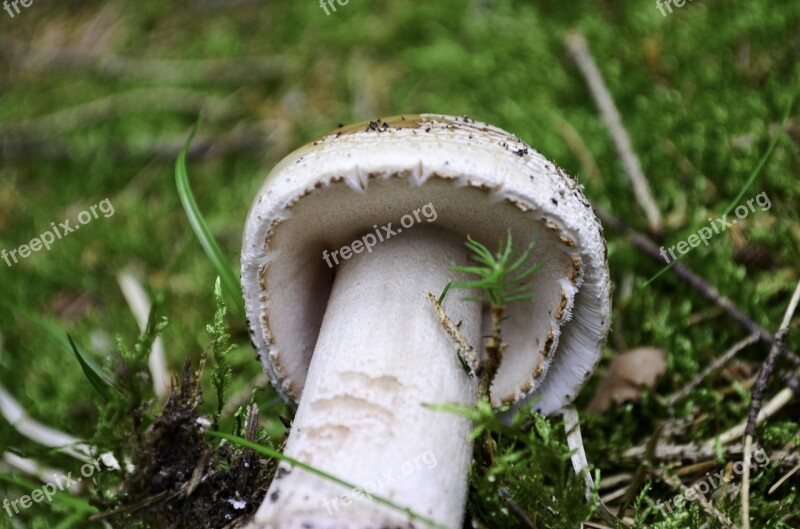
[699,91]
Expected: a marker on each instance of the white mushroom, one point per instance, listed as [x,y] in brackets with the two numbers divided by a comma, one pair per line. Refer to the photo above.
[358,345]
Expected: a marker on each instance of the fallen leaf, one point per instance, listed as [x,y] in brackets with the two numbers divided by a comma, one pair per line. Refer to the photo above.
[628,375]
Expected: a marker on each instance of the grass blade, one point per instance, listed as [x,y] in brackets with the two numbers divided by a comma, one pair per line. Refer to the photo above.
[96,377]
[71,521]
[753,175]
[59,497]
[200,228]
[269,452]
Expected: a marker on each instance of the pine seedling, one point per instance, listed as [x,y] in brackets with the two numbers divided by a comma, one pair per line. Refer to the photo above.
[220,350]
[502,279]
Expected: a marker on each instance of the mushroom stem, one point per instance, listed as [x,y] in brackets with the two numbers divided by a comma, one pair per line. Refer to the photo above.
[380,355]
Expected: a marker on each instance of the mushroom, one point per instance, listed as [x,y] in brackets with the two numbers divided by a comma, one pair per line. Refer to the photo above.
[354,341]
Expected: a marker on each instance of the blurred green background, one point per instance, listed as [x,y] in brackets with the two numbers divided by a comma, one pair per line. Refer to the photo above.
[97,97]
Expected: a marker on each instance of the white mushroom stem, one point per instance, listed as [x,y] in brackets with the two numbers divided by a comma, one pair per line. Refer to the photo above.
[381,354]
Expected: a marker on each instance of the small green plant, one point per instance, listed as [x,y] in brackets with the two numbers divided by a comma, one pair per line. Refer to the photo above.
[220,350]
[500,277]
[123,411]
[503,278]
[126,401]
[522,478]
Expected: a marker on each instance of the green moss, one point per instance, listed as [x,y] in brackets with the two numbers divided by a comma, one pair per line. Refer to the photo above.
[698,90]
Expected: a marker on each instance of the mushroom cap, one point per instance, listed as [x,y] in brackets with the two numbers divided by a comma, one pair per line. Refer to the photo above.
[476,179]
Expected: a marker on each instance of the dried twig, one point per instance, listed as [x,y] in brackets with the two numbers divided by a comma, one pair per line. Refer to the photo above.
[518,512]
[172,100]
[575,443]
[640,475]
[465,351]
[608,482]
[250,139]
[676,484]
[572,428]
[251,426]
[241,398]
[705,452]
[160,71]
[18,418]
[769,363]
[649,248]
[578,48]
[35,468]
[162,496]
[768,410]
[783,479]
[472,362]
[755,401]
[712,367]
[581,151]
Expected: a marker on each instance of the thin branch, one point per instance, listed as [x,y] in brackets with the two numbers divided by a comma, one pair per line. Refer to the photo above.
[251,140]
[579,49]
[781,399]
[572,427]
[18,418]
[649,248]
[757,397]
[242,397]
[518,512]
[465,351]
[769,364]
[582,152]
[158,71]
[676,484]
[251,426]
[36,469]
[711,368]
[783,479]
[173,100]
[693,453]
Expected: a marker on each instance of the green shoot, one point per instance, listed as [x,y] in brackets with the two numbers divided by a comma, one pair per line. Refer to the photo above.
[500,276]
[124,410]
[223,374]
[97,378]
[503,278]
[521,467]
